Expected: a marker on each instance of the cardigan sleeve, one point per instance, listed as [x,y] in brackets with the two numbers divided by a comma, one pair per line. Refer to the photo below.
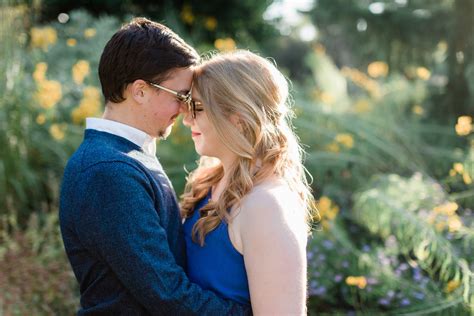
[119,225]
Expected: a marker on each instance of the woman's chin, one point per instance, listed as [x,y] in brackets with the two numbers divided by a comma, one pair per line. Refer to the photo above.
[198,150]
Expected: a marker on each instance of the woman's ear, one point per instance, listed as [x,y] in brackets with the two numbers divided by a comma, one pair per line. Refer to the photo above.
[138,90]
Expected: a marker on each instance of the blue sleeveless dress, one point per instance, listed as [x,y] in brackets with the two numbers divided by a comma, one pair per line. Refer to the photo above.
[217,266]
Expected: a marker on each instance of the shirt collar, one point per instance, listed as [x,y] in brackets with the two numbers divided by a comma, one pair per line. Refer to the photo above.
[136,136]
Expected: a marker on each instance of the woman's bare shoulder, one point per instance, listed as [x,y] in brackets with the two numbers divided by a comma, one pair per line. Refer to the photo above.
[271,201]
[271,212]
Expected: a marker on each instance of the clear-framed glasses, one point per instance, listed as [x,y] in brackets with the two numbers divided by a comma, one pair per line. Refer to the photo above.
[193,106]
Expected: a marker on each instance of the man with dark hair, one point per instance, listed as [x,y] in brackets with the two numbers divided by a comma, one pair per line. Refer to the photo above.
[119,215]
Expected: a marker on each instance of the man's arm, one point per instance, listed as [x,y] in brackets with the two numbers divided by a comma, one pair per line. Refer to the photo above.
[119,223]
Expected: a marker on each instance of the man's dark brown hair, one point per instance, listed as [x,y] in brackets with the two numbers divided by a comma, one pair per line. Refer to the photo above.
[141,49]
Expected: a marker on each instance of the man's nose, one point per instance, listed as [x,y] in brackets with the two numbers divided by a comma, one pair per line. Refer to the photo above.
[183,108]
[187,121]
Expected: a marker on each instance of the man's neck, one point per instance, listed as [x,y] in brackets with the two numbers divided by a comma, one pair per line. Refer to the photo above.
[122,113]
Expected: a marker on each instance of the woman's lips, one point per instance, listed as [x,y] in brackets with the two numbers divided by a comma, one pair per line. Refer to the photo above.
[194,134]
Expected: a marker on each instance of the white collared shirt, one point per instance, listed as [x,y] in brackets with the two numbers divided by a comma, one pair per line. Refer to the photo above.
[136,136]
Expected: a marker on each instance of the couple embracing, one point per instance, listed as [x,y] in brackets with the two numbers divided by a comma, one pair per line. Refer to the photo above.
[235,244]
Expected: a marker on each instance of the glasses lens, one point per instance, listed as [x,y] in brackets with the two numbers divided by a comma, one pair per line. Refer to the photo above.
[195,106]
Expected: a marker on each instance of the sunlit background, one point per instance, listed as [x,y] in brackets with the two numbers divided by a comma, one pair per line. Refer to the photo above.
[383,96]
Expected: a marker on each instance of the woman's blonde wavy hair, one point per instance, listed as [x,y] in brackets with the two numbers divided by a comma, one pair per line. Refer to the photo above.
[244,84]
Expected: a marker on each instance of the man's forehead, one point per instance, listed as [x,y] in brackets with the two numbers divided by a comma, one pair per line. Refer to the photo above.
[181,72]
[181,78]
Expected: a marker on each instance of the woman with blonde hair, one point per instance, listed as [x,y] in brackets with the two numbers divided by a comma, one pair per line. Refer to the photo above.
[247,211]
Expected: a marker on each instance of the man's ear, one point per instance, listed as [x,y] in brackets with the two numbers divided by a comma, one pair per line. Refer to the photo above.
[138,90]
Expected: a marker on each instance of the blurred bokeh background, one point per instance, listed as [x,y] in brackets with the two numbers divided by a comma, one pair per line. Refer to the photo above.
[383,93]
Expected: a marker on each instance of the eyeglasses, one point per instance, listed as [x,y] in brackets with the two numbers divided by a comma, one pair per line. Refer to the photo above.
[193,106]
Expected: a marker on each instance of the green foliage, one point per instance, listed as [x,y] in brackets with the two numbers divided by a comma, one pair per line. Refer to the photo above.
[31,160]
[386,253]
[406,209]
[355,127]
[360,127]
[200,21]
[406,34]
[386,244]
[35,276]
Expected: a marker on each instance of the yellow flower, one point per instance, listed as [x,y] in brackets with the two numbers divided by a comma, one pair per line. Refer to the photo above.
[360,282]
[464,125]
[362,80]
[89,105]
[71,42]
[431,218]
[49,92]
[327,209]
[440,226]
[43,37]
[454,223]
[225,44]
[448,208]
[41,119]
[377,69]
[423,73]
[90,32]
[91,92]
[458,167]
[345,139]
[57,131]
[362,106]
[452,173]
[79,71]
[40,71]
[418,110]
[187,15]
[466,178]
[452,285]
[333,147]
[210,23]
[326,97]
[442,46]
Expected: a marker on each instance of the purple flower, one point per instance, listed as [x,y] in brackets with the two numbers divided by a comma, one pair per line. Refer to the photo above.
[312,287]
[366,248]
[390,294]
[338,278]
[372,281]
[405,302]
[328,244]
[385,261]
[418,295]
[384,301]
[403,267]
[345,264]
[417,276]
[319,291]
